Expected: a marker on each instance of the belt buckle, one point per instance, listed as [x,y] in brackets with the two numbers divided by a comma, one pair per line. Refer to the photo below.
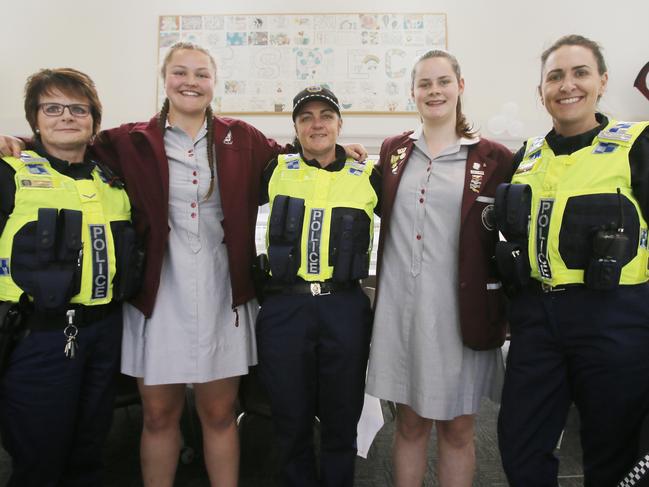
[316,289]
[548,288]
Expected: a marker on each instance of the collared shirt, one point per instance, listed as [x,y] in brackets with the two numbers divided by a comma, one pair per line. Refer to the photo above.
[188,180]
[423,180]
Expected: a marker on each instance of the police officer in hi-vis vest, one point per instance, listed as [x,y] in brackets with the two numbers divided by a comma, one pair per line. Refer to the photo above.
[313,331]
[576,257]
[68,256]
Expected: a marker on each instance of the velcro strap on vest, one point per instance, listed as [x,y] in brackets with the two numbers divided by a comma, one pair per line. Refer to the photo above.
[46,234]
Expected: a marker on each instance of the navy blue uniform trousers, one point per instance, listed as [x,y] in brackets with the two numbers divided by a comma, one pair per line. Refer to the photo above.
[582,346]
[55,412]
[313,353]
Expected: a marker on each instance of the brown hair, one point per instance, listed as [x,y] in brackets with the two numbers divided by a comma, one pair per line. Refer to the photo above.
[68,81]
[209,115]
[462,126]
[576,40]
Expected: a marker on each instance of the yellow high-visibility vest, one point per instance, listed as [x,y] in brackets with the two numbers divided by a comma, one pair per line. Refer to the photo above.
[38,185]
[596,171]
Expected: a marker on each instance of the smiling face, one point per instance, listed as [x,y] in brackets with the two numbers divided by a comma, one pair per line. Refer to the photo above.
[64,134]
[189,83]
[570,87]
[436,90]
[317,126]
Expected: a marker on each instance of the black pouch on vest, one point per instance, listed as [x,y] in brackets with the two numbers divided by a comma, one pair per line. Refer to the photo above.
[284,262]
[344,255]
[350,240]
[277,219]
[513,265]
[129,258]
[70,245]
[512,208]
[610,249]
[58,239]
[69,233]
[285,232]
[46,228]
[294,220]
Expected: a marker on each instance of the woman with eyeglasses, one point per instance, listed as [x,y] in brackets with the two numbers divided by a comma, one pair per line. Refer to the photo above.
[68,256]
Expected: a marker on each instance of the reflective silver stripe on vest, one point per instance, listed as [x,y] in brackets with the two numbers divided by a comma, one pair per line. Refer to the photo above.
[99,261]
[313,242]
[542,231]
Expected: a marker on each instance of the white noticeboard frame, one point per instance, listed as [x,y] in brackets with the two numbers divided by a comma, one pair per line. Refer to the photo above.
[263,60]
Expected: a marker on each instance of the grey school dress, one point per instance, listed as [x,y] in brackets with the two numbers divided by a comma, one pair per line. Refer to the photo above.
[417,357]
[192,335]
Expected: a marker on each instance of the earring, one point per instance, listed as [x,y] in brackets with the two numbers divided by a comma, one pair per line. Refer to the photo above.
[37,131]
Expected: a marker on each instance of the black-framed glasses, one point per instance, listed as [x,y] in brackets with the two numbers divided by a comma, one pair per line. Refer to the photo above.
[57,109]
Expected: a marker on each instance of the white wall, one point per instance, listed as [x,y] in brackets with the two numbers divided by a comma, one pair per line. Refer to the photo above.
[498,43]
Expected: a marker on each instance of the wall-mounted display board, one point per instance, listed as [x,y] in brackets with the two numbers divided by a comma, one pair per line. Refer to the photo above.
[264,60]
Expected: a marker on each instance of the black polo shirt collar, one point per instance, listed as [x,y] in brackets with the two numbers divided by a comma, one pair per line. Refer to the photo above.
[79,170]
[561,145]
[336,165]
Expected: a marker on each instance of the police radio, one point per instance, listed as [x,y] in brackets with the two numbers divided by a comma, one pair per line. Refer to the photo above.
[610,249]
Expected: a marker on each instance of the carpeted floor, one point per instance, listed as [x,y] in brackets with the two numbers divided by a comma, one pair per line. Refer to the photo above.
[257,461]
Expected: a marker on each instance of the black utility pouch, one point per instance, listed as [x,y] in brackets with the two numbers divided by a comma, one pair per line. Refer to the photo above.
[70,235]
[513,266]
[512,210]
[46,229]
[57,277]
[344,254]
[277,219]
[610,250]
[294,220]
[284,262]
[284,236]
[349,243]
[70,245]
[129,256]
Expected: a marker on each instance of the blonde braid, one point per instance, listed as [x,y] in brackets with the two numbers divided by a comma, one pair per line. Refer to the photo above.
[162,116]
[211,149]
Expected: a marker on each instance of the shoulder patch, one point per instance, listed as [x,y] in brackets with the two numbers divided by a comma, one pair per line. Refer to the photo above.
[28,158]
[619,131]
[533,145]
[605,148]
[292,161]
[36,168]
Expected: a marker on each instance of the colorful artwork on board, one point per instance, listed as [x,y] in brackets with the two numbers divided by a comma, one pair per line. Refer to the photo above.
[264,59]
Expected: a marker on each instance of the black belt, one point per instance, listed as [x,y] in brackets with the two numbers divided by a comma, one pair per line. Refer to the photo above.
[83,316]
[547,288]
[320,288]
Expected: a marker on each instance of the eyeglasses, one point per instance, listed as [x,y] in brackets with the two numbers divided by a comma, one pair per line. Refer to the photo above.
[57,109]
